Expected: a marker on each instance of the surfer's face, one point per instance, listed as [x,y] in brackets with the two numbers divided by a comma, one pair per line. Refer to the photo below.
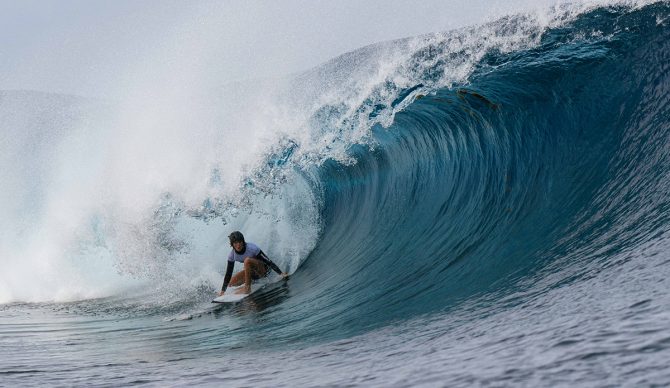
[238,245]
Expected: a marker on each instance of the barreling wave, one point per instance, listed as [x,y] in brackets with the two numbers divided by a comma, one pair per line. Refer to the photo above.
[405,177]
[546,167]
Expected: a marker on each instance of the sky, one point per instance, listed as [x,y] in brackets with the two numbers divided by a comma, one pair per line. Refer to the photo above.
[100,48]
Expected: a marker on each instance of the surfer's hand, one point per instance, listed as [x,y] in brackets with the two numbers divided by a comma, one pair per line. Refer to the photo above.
[284,275]
[221,293]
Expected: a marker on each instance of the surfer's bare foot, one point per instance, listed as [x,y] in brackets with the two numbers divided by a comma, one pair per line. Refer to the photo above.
[243,290]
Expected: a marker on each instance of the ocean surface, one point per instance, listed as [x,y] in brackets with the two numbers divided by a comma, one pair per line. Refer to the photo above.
[488,206]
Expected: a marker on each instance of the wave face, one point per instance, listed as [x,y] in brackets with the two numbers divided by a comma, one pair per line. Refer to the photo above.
[489,204]
[550,160]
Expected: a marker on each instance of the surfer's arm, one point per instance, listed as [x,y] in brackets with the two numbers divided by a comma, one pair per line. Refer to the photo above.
[263,257]
[229,274]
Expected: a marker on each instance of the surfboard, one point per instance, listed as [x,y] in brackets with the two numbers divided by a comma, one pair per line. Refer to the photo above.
[231,297]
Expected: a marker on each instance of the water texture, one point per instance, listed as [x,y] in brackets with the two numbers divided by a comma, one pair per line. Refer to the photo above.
[485,206]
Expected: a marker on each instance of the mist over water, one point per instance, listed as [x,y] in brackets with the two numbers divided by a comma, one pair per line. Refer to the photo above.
[110,196]
[479,198]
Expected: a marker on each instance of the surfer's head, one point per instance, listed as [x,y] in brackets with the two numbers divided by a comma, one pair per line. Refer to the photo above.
[237,241]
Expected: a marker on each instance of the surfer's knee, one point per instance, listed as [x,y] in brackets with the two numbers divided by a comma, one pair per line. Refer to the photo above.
[247,262]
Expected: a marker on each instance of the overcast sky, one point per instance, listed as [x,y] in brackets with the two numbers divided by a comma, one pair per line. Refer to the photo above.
[100,47]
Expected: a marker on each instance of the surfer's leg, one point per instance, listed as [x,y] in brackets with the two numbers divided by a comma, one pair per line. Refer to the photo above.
[237,279]
[253,269]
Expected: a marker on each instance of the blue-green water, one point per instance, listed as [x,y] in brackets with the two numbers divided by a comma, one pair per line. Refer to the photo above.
[508,228]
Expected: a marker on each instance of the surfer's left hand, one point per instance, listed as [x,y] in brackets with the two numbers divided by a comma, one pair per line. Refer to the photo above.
[284,275]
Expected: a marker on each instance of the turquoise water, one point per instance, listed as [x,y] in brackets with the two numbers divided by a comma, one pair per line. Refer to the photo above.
[509,227]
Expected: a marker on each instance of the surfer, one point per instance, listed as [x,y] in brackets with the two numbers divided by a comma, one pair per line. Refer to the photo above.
[256,264]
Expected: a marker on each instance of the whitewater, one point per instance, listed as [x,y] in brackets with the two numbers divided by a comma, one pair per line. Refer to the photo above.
[486,205]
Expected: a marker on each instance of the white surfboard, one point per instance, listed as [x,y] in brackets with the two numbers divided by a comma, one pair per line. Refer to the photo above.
[231,296]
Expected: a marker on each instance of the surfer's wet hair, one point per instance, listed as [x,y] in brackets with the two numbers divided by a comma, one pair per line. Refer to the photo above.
[236,237]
